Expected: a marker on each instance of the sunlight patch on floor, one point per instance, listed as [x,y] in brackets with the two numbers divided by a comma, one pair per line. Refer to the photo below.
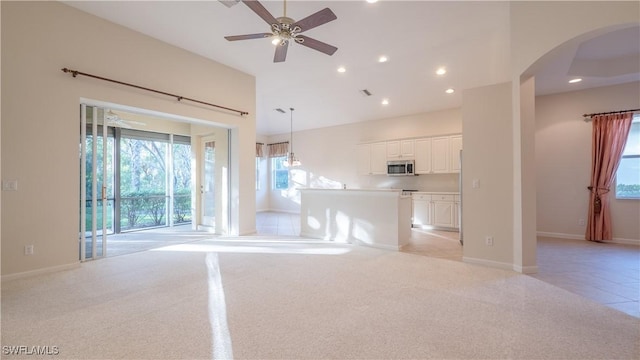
[220,336]
[265,247]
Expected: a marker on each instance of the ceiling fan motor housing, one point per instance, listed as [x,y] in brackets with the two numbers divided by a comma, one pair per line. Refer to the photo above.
[284,32]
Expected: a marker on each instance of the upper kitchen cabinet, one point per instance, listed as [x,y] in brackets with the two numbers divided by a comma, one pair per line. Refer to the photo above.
[400,149]
[456,146]
[423,156]
[432,155]
[438,155]
[372,159]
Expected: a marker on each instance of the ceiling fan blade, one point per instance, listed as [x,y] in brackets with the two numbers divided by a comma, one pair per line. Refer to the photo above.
[317,45]
[321,17]
[261,11]
[281,53]
[248,36]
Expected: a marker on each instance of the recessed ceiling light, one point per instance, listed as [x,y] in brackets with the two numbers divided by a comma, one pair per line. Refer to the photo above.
[573,81]
[372,1]
[441,71]
[383,59]
[342,69]
[450,91]
[385,101]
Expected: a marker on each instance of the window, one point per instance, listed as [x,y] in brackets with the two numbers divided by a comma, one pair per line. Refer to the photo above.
[258,173]
[628,174]
[280,173]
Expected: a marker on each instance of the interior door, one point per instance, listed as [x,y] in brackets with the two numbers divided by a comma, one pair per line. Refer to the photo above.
[96,183]
[208,183]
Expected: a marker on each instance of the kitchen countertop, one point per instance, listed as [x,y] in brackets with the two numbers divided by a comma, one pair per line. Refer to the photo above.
[436,193]
[355,189]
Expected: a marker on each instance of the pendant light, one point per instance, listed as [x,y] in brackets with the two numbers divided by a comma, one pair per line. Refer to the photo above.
[291,157]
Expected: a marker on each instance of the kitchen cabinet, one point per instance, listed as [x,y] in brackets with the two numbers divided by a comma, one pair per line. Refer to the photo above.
[436,210]
[440,154]
[423,156]
[372,159]
[421,210]
[379,158]
[455,143]
[443,211]
[431,155]
[400,149]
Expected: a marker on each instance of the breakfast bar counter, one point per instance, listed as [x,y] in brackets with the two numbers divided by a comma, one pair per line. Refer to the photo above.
[373,217]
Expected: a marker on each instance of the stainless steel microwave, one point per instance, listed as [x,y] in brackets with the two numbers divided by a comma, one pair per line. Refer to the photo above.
[400,168]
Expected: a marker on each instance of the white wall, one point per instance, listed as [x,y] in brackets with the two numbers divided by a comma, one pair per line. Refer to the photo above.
[40,112]
[488,209]
[537,28]
[329,158]
[563,161]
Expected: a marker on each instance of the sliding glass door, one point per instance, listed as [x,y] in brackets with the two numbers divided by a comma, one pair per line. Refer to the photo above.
[208,184]
[97,183]
[130,180]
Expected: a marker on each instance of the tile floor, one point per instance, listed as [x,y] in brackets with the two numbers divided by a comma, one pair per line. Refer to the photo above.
[276,223]
[605,273]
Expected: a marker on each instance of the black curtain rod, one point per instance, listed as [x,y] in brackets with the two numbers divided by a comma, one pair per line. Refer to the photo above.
[75,73]
[259,143]
[610,112]
[282,142]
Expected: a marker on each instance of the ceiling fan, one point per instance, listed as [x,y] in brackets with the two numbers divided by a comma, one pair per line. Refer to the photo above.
[285,30]
[114,119]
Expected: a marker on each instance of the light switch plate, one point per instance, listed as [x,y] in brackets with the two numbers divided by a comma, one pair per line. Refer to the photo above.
[9,185]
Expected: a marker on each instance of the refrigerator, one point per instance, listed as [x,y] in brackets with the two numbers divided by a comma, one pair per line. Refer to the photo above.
[461,200]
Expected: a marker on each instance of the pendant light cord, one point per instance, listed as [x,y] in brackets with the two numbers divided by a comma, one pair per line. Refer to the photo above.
[291,135]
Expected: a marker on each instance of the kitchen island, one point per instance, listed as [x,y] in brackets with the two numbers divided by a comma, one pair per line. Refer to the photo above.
[374,217]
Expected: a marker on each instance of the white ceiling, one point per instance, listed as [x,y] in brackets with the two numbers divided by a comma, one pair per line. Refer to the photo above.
[471,39]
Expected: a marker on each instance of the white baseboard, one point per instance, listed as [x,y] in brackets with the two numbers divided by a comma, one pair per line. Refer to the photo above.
[378,246]
[622,241]
[294,212]
[489,263]
[250,232]
[48,270]
[525,269]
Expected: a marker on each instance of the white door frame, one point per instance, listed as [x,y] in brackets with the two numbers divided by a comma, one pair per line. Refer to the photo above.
[94,185]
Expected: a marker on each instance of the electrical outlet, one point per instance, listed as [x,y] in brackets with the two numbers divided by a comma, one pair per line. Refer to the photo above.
[488,240]
[28,250]
[581,222]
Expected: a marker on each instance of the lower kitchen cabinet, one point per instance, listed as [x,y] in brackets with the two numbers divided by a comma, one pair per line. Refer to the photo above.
[443,212]
[436,210]
[421,210]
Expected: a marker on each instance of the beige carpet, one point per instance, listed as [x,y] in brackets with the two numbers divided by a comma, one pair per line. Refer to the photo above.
[289,299]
